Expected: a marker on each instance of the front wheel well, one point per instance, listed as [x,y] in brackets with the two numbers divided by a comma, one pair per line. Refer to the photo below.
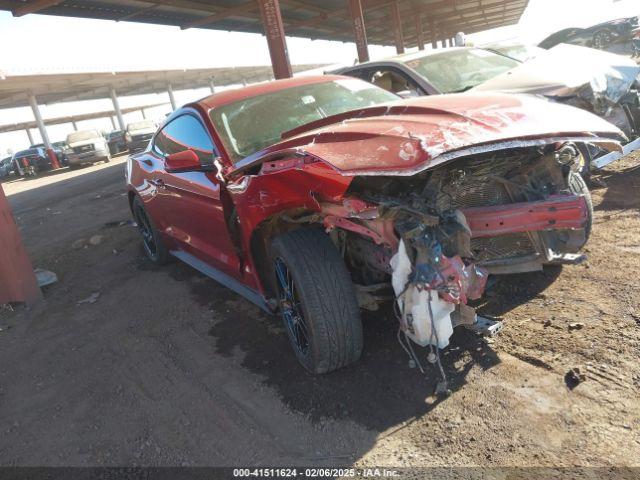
[266,232]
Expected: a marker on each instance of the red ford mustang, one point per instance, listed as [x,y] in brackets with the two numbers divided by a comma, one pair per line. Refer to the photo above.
[316,196]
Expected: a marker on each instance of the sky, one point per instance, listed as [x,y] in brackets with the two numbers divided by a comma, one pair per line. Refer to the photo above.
[59,44]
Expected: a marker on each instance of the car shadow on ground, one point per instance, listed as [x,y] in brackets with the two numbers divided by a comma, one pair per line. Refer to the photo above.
[622,187]
[506,292]
[380,391]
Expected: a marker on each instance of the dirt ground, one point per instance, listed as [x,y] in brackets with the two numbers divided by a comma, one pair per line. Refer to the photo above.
[167,367]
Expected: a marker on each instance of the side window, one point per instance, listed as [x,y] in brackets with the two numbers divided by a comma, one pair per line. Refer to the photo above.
[185,133]
[362,74]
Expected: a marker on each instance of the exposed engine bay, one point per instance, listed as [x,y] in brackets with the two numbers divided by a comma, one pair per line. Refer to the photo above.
[436,236]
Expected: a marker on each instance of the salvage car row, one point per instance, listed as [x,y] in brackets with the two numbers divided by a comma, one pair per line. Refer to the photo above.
[80,148]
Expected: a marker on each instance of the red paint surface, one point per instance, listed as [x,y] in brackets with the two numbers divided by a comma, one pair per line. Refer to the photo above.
[558,212]
[17,280]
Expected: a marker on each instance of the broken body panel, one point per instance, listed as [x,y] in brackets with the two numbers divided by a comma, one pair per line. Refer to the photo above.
[369,177]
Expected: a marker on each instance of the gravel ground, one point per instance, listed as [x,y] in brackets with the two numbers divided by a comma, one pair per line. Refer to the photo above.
[166,367]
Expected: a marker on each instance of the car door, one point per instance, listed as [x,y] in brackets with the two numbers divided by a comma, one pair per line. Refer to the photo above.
[190,201]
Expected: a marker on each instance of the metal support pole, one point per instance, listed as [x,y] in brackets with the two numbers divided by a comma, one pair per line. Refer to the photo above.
[113,122]
[172,99]
[144,114]
[29,136]
[274,31]
[396,22]
[359,30]
[43,132]
[116,107]
[419,32]
[212,86]
[75,125]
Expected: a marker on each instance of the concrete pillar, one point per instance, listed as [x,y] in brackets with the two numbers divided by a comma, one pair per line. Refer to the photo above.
[116,107]
[29,136]
[419,32]
[396,22]
[39,122]
[212,86]
[274,31]
[359,30]
[43,132]
[172,99]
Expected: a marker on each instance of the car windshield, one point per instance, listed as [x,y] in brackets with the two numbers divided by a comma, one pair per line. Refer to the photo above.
[251,124]
[83,135]
[455,71]
[145,125]
[522,53]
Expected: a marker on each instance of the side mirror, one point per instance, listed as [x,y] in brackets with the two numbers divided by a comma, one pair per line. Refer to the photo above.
[182,161]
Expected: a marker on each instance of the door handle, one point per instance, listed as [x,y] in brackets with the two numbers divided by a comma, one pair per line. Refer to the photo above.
[158,182]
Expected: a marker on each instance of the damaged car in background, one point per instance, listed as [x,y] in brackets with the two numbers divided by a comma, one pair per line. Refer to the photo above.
[316,196]
[601,83]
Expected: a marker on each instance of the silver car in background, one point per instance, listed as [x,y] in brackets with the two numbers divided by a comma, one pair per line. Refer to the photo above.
[87,146]
[140,134]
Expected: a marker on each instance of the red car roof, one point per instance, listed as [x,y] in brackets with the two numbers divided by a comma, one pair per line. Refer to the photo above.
[229,96]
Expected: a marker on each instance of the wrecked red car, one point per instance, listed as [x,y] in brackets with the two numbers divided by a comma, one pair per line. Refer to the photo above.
[316,196]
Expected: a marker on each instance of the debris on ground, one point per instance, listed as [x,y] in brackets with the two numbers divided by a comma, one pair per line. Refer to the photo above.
[576,326]
[574,377]
[93,298]
[96,240]
[45,277]
[79,243]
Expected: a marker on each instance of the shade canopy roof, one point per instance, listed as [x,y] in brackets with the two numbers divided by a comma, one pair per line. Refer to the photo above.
[64,87]
[13,127]
[316,19]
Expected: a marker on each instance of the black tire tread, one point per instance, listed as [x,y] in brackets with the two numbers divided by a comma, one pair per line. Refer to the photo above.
[578,186]
[162,257]
[328,298]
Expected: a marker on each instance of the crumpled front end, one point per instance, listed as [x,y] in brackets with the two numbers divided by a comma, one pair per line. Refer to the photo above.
[436,236]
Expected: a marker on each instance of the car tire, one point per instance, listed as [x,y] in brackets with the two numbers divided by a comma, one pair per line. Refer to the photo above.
[151,239]
[317,300]
[578,186]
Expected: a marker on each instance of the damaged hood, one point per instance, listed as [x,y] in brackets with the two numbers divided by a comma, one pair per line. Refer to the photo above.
[410,135]
[566,70]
